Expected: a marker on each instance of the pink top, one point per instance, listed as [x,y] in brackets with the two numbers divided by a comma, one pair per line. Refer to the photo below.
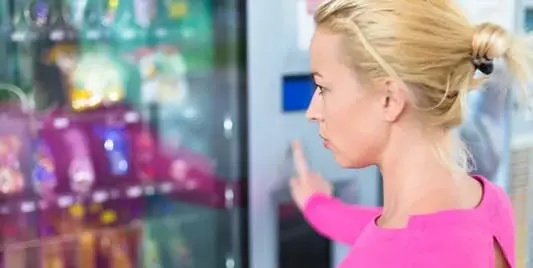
[451,238]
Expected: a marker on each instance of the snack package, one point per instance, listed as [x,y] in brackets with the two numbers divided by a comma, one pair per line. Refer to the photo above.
[171,12]
[81,169]
[96,80]
[145,154]
[40,13]
[114,244]
[163,76]
[15,150]
[82,14]
[144,12]
[73,222]
[52,255]
[110,12]
[70,148]
[43,175]
[110,140]
[163,99]
[32,14]
[11,176]
[115,143]
[93,77]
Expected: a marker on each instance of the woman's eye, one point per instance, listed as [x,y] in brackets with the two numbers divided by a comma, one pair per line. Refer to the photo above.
[320,90]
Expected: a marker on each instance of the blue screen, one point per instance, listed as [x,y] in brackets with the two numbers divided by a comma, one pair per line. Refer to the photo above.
[297,92]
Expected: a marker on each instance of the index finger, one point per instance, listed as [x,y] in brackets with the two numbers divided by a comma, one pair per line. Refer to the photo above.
[299,159]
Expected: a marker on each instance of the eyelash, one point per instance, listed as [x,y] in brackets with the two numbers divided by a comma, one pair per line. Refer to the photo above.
[320,89]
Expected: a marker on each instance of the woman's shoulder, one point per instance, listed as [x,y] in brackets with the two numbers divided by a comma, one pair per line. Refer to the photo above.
[494,203]
[417,245]
[495,199]
[442,239]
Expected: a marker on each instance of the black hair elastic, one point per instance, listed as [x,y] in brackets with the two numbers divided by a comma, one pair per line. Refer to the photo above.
[483,64]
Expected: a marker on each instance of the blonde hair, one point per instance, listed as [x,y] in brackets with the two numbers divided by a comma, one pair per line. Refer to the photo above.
[429,45]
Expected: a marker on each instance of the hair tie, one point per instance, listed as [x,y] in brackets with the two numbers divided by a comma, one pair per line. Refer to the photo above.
[483,64]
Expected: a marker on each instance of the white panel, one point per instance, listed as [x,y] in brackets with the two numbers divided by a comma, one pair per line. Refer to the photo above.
[265,124]
[276,47]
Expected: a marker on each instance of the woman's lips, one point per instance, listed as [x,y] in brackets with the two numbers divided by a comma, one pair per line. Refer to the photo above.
[325,141]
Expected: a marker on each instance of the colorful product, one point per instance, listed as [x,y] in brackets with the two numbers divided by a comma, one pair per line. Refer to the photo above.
[96,80]
[114,244]
[39,12]
[145,12]
[110,13]
[93,78]
[120,255]
[85,246]
[11,177]
[80,13]
[176,8]
[164,84]
[145,150]
[74,11]
[43,176]
[52,256]
[116,148]
[81,169]
[163,73]
[87,250]
[51,253]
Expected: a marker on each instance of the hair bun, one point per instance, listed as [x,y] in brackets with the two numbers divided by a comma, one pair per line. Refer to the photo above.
[490,41]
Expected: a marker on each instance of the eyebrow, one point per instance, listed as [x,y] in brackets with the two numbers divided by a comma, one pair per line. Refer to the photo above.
[316,74]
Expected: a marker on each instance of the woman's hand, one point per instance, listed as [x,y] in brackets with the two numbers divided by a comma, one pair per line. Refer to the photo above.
[306,183]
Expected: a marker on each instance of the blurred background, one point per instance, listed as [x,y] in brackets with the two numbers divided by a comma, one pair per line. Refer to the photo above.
[155,133]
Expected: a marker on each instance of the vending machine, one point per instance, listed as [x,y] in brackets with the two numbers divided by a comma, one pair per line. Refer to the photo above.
[122,133]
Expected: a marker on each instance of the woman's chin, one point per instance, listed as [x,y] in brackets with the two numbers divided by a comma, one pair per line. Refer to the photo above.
[351,163]
[343,161]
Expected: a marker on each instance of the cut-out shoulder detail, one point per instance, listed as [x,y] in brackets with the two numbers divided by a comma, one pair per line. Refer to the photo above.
[500,258]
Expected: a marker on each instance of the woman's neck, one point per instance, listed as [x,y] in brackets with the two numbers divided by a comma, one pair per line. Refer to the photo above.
[415,179]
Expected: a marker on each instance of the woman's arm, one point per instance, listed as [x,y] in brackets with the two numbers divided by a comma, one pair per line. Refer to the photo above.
[336,220]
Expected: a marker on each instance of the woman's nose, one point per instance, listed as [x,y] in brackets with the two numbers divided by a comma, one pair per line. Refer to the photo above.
[314,110]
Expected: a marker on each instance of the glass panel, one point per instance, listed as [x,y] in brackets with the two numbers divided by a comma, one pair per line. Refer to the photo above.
[121,140]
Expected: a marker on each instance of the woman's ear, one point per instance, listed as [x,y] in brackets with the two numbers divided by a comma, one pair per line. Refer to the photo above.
[392,98]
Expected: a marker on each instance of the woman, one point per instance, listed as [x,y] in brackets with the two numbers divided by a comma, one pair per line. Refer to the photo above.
[391,82]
